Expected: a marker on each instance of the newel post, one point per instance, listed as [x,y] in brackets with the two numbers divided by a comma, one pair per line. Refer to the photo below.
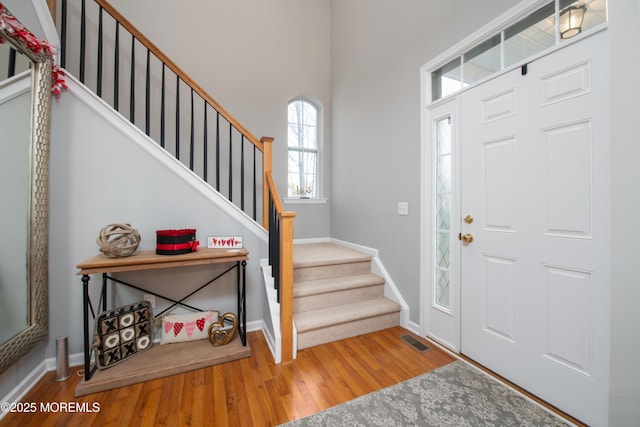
[267,169]
[286,285]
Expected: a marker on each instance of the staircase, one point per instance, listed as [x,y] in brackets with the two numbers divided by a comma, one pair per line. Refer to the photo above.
[336,296]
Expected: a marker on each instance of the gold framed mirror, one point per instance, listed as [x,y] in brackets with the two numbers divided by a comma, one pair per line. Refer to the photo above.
[28,224]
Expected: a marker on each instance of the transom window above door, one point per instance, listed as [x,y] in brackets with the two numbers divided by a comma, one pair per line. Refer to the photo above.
[548,26]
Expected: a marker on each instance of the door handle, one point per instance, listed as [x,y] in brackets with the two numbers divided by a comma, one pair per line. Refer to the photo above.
[465,238]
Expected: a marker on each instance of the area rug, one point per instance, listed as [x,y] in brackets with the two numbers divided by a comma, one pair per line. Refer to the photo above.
[454,395]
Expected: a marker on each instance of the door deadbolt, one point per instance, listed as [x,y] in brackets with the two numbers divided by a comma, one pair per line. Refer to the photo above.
[468,219]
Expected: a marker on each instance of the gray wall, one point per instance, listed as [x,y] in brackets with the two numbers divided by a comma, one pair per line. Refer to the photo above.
[624,25]
[378,48]
[25,11]
[252,57]
[99,177]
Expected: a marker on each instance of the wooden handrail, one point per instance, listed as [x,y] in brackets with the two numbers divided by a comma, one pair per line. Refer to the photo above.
[177,70]
[52,9]
[273,190]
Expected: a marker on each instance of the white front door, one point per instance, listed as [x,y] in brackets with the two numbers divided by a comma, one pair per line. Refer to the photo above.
[535,178]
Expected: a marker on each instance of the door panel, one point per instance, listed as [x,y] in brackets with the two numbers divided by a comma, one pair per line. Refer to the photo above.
[534,175]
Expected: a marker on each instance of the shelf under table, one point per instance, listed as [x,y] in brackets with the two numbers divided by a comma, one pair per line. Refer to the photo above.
[162,361]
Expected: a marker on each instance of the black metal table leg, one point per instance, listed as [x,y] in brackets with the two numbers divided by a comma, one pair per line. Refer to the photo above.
[85,309]
[242,316]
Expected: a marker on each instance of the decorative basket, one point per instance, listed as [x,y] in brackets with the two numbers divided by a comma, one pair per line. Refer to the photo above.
[175,242]
[118,240]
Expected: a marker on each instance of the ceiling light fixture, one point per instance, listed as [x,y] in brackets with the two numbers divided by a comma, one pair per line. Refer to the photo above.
[571,18]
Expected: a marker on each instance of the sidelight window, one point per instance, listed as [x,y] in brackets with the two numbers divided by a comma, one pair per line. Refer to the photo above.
[443,213]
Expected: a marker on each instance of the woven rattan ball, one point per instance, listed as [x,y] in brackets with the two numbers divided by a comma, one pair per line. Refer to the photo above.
[118,240]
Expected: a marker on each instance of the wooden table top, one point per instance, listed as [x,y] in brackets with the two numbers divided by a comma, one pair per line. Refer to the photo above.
[149,260]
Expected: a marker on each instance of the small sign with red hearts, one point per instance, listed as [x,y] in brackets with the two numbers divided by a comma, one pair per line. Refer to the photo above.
[224,242]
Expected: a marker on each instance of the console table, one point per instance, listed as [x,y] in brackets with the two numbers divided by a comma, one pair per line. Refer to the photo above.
[182,357]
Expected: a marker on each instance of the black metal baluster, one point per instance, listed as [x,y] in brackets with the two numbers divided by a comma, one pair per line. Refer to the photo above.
[83,36]
[99,77]
[103,35]
[218,151]
[230,162]
[192,136]
[177,117]
[63,35]
[132,89]
[147,98]
[242,173]
[206,143]
[162,109]
[116,69]
[255,211]
[272,227]
[11,71]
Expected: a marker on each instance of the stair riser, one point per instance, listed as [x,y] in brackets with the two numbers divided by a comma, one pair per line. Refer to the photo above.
[330,271]
[347,330]
[329,299]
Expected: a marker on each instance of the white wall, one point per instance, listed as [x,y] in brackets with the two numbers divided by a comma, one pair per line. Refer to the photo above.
[377,50]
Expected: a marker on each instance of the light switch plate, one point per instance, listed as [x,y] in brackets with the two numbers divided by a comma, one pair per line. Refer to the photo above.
[403,208]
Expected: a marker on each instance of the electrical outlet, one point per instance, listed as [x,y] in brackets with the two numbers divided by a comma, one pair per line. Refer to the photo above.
[151,299]
[403,208]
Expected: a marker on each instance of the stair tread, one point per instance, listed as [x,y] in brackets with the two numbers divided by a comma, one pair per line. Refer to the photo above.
[319,254]
[321,286]
[315,319]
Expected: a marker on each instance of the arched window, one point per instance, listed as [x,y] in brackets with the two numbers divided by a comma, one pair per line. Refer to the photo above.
[303,142]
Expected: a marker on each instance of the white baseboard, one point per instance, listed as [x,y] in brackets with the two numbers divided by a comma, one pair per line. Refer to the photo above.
[25,385]
[413,327]
[47,365]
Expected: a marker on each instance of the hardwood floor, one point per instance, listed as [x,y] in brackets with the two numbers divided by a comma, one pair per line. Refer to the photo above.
[247,392]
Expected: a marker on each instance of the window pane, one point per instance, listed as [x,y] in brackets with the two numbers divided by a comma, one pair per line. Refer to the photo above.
[447,79]
[293,137]
[443,131]
[482,61]
[443,212]
[531,35]
[442,288]
[310,139]
[302,174]
[295,160]
[310,115]
[443,174]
